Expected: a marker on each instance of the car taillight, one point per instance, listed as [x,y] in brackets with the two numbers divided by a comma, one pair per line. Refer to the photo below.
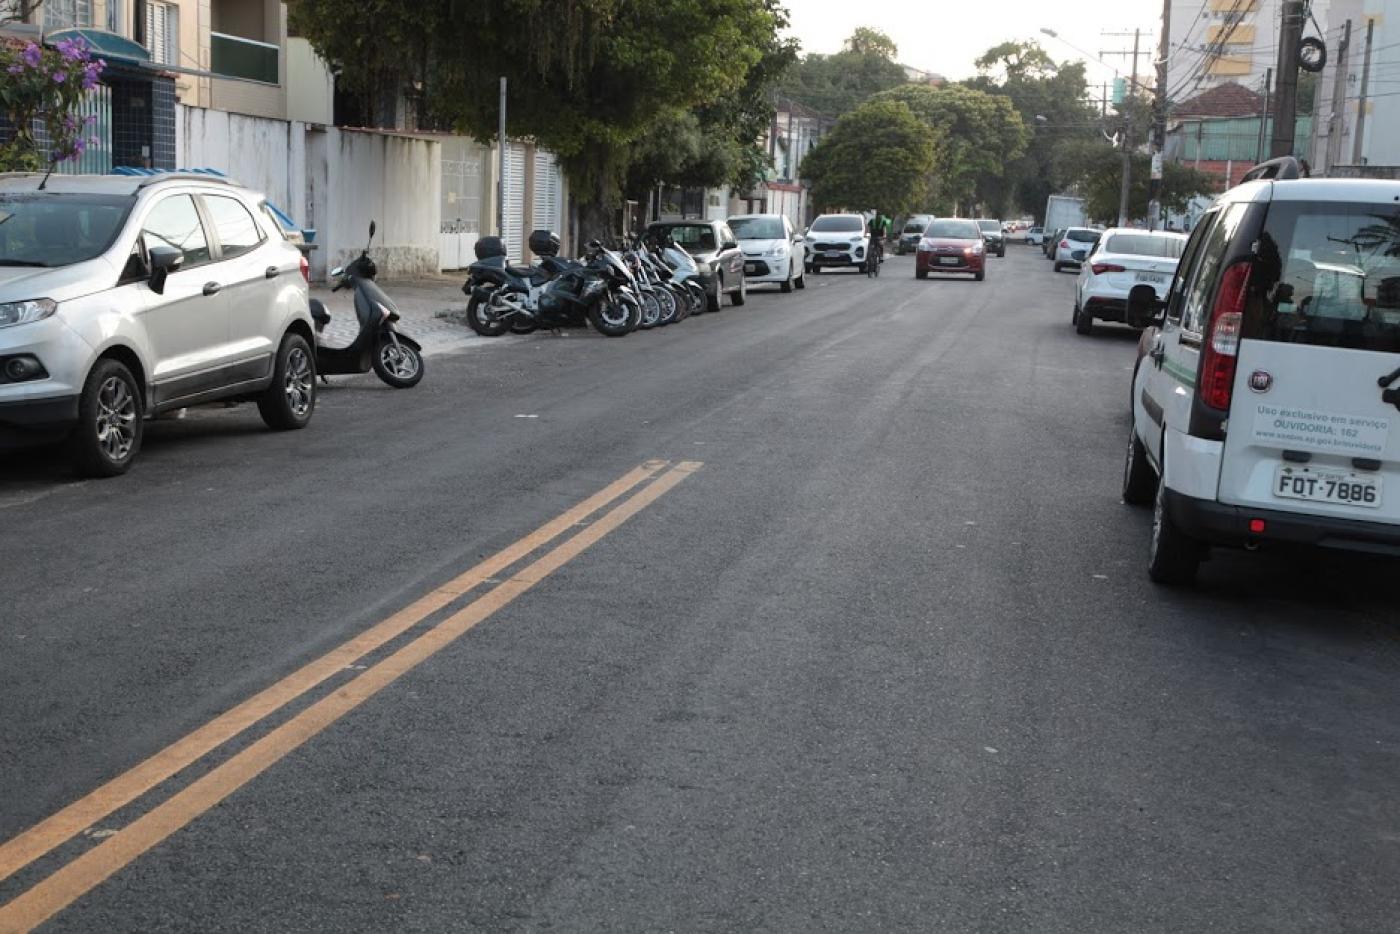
[1222,345]
[1064,244]
[306,269]
[1101,268]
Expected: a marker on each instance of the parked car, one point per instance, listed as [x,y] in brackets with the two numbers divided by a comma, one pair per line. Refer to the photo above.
[911,233]
[1075,240]
[952,245]
[716,252]
[125,298]
[1282,322]
[837,240]
[994,236]
[773,250]
[1122,259]
[1035,236]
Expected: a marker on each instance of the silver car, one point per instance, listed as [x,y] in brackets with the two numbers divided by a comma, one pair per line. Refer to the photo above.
[125,298]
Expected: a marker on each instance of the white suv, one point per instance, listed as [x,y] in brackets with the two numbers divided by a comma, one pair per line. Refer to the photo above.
[1267,392]
[124,298]
[836,240]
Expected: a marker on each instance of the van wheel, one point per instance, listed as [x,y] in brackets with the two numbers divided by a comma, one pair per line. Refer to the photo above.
[1175,556]
[1139,481]
[291,399]
[110,422]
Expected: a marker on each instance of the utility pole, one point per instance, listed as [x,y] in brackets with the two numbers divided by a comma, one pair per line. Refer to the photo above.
[501,165]
[1264,116]
[1365,90]
[1336,120]
[1286,80]
[1128,141]
[1131,96]
[1159,120]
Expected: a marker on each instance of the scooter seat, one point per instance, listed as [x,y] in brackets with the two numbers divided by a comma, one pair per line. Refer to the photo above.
[524,272]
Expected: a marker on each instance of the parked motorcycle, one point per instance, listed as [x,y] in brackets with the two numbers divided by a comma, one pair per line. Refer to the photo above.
[395,357]
[685,274]
[599,290]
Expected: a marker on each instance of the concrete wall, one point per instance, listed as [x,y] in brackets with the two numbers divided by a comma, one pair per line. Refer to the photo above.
[266,155]
[310,86]
[393,180]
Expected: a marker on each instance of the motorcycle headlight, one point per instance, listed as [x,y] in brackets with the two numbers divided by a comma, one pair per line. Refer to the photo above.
[12,313]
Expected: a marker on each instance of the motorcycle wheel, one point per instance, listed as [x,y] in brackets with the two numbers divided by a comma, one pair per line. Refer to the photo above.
[524,327]
[613,318]
[399,365]
[651,311]
[669,306]
[482,321]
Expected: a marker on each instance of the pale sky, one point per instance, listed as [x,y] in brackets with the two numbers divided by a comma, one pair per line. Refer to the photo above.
[946,36]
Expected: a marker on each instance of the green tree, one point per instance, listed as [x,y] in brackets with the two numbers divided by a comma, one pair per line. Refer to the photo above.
[1096,170]
[837,84]
[877,157]
[1051,99]
[977,134]
[587,78]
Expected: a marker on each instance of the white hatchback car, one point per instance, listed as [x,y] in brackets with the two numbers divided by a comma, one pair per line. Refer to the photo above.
[1123,258]
[772,248]
[1266,398]
[124,298]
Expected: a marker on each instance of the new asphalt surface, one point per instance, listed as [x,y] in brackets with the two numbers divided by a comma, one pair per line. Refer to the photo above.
[888,661]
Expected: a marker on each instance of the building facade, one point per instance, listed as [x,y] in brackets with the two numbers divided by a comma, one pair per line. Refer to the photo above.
[1213,42]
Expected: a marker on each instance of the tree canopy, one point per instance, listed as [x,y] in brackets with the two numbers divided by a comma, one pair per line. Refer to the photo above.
[978,133]
[1095,167]
[587,78]
[877,157]
[836,84]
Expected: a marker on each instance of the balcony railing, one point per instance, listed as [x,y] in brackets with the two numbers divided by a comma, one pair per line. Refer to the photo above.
[248,59]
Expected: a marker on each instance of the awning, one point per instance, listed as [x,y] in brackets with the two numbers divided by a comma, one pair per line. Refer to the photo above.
[104,44]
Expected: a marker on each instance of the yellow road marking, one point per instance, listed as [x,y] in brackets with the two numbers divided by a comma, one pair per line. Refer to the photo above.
[84,873]
[63,825]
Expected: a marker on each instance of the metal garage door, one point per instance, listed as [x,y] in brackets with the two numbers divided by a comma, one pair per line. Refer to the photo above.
[549,190]
[514,221]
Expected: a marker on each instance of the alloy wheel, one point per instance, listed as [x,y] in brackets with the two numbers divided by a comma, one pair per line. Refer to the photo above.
[116,418]
[399,362]
[298,382]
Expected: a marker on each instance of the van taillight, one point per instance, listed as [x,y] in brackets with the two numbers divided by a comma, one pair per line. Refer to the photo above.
[306,269]
[1222,344]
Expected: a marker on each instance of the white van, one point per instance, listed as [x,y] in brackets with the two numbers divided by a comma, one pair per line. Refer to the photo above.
[1266,396]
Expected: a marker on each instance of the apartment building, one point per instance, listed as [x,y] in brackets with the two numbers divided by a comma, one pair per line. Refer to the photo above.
[1214,42]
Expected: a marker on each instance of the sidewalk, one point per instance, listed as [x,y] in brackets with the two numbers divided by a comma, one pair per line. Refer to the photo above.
[421,303]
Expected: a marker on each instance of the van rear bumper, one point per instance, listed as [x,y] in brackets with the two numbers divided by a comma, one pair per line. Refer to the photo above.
[1218,524]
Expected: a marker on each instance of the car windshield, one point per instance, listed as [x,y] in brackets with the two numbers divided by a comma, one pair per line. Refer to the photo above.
[757,228]
[1330,275]
[1145,245]
[696,238]
[42,228]
[990,226]
[838,223]
[1081,235]
[953,230]
[914,227]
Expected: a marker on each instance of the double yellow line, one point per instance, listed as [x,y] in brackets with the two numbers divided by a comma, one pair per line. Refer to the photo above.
[78,877]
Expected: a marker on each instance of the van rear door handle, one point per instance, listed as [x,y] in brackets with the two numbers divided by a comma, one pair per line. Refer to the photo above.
[212,288]
[272,272]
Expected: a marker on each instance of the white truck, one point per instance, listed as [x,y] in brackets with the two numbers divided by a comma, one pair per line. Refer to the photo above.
[1063,211]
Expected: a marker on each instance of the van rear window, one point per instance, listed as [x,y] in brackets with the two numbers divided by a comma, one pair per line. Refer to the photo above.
[1329,275]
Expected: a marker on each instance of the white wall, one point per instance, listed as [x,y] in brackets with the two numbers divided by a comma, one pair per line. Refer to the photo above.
[310,86]
[268,156]
[393,180]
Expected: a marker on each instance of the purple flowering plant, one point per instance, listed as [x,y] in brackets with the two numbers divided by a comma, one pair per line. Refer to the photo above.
[48,87]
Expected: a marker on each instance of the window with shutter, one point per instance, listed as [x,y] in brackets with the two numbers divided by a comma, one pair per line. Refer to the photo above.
[163,32]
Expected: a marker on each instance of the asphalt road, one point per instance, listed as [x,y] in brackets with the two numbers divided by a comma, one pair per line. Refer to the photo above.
[880,656]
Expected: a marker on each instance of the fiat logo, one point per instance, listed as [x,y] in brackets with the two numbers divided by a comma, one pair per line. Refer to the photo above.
[1260,381]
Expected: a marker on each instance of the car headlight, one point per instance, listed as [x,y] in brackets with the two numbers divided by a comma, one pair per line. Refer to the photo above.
[779,251]
[926,246]
[12,313]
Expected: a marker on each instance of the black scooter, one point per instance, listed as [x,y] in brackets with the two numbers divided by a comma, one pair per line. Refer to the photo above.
[395,357]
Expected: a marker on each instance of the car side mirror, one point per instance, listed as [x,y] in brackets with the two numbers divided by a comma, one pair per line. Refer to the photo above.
[1144,307]
[164,261]
[1077,256]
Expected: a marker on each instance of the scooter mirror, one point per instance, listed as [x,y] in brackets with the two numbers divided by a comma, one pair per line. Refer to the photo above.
[371,230]
[337,272]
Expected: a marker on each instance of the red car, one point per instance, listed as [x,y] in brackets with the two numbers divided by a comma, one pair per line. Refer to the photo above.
[952,245]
